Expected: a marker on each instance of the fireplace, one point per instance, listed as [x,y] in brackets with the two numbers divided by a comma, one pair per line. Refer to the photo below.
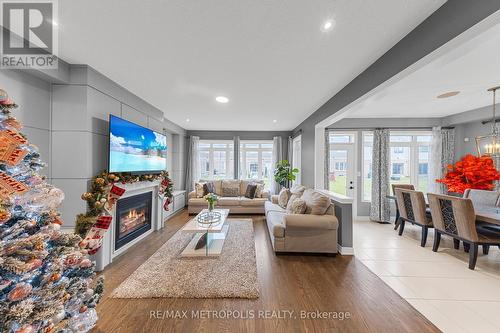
[133,218]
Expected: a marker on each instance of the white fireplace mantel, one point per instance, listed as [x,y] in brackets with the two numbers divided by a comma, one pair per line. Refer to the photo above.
[107,252]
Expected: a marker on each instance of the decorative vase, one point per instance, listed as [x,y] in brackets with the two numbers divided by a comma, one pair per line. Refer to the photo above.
[211,206]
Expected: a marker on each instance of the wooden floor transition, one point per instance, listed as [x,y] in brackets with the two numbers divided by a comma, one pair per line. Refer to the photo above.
[295,283]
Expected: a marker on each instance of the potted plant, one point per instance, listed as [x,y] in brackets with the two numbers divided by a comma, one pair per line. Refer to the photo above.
[212,199]
[284,173]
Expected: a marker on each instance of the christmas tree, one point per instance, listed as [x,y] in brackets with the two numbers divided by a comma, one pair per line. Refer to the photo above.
[47,281]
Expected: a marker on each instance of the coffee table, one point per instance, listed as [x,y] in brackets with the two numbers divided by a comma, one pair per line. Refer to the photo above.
[215,235]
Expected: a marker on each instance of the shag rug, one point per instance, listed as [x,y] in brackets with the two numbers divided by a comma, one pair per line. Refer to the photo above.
[166,274]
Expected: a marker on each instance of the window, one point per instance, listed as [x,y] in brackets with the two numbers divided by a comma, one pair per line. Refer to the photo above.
[296,157]
[341,154]
[340,166]
[409,160]
[410,152]
[216,159]
[397,168]
[256,159]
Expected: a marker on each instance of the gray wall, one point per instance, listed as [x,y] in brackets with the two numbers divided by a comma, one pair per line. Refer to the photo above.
[68,121]
[33,97]
[453,18]
[468,125]
[80,113]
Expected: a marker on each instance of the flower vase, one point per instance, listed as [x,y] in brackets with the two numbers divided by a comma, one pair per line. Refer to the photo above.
[211,206]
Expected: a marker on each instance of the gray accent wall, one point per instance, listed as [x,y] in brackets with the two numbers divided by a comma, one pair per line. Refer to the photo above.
[450,20]
[33,97]
[66,112]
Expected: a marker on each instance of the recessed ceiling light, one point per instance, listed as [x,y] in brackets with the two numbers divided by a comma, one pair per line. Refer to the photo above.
[328,25]
[449,94]
[188,120]
[222,99]
[275,121]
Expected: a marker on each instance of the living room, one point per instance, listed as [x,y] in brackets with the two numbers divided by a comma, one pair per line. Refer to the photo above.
[249,166]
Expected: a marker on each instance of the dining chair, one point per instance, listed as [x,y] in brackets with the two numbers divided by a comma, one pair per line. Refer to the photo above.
[482,197]
[412,208]
[394,187]
[455,217]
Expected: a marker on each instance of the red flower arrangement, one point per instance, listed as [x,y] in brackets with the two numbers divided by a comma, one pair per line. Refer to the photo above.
[471,172]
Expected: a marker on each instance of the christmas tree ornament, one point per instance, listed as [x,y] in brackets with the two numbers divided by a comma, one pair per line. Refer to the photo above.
[46,279]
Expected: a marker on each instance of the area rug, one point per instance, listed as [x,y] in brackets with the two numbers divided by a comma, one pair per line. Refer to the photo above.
[166,274]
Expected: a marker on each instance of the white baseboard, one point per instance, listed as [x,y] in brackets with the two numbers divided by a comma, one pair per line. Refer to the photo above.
[345,251]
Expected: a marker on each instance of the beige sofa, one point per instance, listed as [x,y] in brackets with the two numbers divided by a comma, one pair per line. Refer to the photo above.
[236,205]
[301,232]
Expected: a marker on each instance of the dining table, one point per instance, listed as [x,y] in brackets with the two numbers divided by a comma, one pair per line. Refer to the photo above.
[488,214]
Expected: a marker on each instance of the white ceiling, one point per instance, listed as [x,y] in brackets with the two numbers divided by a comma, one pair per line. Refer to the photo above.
[270,58]
[471,66]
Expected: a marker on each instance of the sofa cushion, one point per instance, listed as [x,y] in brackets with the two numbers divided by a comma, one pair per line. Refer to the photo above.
[298,206]
[197,202]
[231,188]
[255,202]
[270,206]
[229,201]
[250,192]
[276,223]
[260,190]
[317,204]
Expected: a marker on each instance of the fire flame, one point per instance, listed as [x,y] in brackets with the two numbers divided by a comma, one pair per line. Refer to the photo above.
[132,214]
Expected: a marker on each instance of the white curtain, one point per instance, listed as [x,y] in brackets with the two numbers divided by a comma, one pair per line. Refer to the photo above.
[379,207]
[442,154]
[277,156]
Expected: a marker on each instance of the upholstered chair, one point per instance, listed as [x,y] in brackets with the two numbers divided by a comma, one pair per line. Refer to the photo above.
[456,217]
[482,197]
[394,187]
[412,208]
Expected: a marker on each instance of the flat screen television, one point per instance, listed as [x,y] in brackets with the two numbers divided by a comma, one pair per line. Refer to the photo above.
[135,149]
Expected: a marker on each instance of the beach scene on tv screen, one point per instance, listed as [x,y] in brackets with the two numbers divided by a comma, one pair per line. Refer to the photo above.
[135,148]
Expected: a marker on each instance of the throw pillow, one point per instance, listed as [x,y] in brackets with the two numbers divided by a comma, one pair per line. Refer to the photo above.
[198,187]
[298,206]
[230,188]
[283,197]
[258,191]
[250,192]
[293,197]
[298,189]
[317,204]
[208,188]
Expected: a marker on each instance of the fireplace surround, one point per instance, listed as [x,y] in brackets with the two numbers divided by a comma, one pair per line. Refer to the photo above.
[133,218]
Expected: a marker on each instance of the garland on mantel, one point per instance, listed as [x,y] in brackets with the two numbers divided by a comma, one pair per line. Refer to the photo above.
[102,197]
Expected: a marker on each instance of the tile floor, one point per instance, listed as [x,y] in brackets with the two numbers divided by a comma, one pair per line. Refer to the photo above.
[439,285]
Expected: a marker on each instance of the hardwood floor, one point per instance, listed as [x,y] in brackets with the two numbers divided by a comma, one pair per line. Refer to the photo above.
[287,283]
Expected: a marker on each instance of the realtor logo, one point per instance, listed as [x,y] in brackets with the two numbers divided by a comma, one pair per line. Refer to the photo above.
[29,34]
